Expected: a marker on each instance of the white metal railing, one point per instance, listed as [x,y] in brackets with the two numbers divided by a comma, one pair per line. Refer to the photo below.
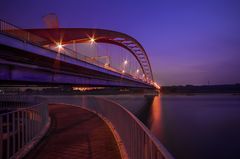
[137,139]
[21,34]
[21,119]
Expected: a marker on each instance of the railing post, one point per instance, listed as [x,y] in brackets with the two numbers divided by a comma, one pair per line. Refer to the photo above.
[22,128]
[8,138]
[18,130]
[28,37]
[26,127]
[1,26]
[32,123]
[1,138]
[13,133]
[29,125]
[39,118]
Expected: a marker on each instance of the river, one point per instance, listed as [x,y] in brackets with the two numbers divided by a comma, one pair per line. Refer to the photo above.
[196,127]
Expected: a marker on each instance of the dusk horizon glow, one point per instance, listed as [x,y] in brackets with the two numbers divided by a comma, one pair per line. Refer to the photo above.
[188,42]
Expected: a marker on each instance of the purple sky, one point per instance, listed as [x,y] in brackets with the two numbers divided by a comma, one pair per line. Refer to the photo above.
[188,42]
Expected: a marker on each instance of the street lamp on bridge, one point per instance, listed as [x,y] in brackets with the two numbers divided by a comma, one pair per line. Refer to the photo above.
[92,40]
[125,62]
[59,46]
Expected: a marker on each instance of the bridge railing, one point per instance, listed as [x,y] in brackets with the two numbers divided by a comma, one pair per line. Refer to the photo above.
[138,141]
[21,120]
[21,34]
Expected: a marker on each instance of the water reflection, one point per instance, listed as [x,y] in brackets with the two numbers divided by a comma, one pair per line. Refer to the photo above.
[156,124]
[196,126]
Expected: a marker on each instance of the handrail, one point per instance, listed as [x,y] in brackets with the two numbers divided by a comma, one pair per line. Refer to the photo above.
[147,131]
[20,126]
[136,138]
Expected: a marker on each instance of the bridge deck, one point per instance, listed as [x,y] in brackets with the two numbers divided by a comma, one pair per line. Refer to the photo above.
[76,133]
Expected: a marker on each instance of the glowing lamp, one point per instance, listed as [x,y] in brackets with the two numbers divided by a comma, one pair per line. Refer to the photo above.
[59,46]
[92,40]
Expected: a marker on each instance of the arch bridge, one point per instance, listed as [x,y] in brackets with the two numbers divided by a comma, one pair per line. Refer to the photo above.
[83,35]
[35,43]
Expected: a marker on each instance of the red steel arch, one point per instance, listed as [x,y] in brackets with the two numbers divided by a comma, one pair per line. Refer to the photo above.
[80,35]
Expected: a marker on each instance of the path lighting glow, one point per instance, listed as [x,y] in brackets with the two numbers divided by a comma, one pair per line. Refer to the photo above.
[137,70]
[125,62]
[123,71]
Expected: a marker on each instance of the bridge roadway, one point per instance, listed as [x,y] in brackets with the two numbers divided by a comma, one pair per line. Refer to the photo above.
[76,133]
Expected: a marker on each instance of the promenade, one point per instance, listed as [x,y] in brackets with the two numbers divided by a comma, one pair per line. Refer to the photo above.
[76,133]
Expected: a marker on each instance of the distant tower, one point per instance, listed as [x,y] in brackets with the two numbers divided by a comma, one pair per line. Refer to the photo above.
[51,20]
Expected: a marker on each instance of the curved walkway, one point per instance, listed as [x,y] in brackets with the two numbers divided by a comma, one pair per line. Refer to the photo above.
[76,133]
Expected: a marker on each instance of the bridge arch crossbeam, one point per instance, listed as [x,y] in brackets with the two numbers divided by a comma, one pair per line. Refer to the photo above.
[142,57]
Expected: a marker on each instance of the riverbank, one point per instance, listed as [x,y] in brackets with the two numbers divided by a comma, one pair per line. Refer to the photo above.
[203,89]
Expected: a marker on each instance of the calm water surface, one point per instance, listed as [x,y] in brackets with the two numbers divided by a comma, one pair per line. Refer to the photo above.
[197,127]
